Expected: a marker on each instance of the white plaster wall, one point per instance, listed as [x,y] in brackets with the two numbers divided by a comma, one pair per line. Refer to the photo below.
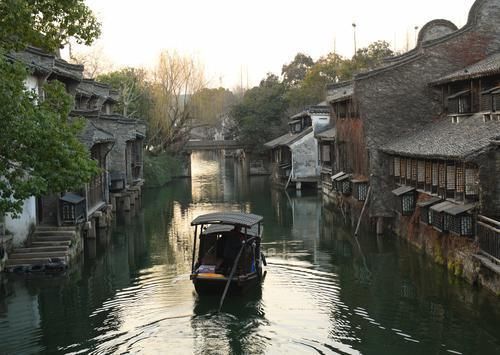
[305,157]
[20,227]
[31,83]
[320,122]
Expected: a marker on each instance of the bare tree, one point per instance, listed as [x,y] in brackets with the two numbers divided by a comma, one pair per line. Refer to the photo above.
[94,61]
[174,81]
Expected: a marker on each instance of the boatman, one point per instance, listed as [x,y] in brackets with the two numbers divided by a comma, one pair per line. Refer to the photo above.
[233,242]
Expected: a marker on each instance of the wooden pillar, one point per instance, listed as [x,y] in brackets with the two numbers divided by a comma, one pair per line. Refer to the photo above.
[114,201]
[380,225]
[91,232]
[126,203]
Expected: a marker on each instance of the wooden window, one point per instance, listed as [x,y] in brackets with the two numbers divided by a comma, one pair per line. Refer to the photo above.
[421,171]
[471,186]
[413,170]
[460,178]
[428,174]
[403,168]
[442,176]
[435,173]
[496,102]
[408,169]
[397,166]
[450,177]
[486,102]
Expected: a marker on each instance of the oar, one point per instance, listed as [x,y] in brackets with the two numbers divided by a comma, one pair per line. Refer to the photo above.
[235,265]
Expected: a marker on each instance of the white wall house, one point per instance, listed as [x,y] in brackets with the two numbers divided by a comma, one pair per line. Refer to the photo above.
[19,227]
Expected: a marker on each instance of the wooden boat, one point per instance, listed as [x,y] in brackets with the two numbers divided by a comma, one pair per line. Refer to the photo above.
[228,257]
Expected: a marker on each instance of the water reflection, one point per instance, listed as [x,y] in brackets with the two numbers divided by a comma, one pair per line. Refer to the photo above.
[325,291]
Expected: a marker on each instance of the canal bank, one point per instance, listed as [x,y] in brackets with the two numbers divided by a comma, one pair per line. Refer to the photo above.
[325,291]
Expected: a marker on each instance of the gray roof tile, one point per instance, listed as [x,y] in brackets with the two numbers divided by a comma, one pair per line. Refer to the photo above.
[446,140]
[488,66]
[287,139]
[339,91]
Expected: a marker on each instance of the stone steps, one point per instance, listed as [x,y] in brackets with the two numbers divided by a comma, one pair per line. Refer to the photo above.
[49,228]
[63,233]
[51,243]
[35,255]
[41,249]
[49,251]
[53,238]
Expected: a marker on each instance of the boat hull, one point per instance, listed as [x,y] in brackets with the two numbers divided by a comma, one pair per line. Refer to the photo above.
[215,285]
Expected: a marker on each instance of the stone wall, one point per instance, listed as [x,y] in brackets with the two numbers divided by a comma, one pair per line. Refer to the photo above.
[397,99]
[123,130]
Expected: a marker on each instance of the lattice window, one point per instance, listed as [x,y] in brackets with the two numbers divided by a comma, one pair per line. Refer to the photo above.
[435,174]
[471,187]
[413,170]
[428,173]
[442,176]
[421,171]
[460,179]
[403,167]
[397,166]
[450,177]
[408,204]
[408,169]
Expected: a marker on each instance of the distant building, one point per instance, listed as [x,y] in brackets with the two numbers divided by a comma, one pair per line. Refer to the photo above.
[294,156]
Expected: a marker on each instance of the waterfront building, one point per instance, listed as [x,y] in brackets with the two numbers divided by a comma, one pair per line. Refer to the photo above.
[49,232]
[43,67]
[450,169]
[294,155]
[404,97]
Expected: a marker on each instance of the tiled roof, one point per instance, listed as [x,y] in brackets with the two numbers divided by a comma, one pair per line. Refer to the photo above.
[322,107]
[446,140]
[233,218]
[47,63]
[92,135]
[287,139]
[329,134]
[488,66]
[90,87]
[339,91]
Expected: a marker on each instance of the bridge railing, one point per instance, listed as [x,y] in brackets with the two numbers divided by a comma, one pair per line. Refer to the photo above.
[488,232]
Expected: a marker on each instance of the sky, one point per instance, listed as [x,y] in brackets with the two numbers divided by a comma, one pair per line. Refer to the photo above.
[239,41]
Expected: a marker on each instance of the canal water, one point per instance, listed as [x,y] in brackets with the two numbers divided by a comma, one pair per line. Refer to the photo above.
[324,291]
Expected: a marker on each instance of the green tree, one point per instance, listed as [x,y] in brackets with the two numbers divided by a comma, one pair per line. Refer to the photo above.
[311,90]
[295,71]
[39,149]
[261,116]
[368,58]
[332,68]
[46,24]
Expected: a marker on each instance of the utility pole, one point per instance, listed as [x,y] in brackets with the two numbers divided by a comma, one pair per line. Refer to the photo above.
[354,34]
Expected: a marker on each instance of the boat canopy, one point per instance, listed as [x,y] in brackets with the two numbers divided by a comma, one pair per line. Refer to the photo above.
[230,218]
[221,228]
